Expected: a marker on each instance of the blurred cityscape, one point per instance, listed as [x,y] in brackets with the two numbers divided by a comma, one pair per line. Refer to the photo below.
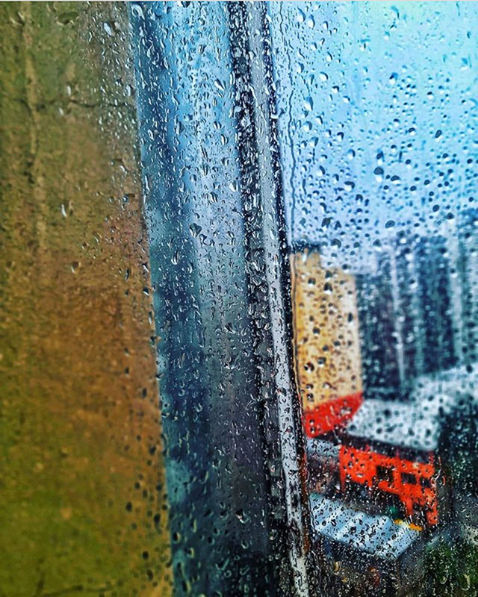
[387,370]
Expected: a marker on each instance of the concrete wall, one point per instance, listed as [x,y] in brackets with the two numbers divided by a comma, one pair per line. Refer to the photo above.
[82,498]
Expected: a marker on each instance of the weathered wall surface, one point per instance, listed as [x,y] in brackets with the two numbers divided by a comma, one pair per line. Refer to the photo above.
[326,331]
[80,510]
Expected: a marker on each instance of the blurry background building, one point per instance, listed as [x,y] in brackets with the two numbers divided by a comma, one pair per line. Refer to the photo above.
[327,341]
[412,313]
[418,307]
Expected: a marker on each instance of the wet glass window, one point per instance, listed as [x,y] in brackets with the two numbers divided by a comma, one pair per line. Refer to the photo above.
[377,124]
[238,270]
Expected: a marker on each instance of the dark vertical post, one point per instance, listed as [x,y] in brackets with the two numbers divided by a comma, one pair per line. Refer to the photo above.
[217,266]
[266,241]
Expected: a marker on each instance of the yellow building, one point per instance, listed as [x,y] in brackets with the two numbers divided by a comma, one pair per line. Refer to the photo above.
[327,346]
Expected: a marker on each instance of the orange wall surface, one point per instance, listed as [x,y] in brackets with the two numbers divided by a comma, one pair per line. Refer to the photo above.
[326,330]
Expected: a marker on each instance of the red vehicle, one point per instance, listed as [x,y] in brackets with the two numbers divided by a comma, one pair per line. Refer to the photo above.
[414,483]
[386,460]
[391,448]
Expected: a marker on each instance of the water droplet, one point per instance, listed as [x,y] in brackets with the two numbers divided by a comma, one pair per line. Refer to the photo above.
[137,11]
[107,27]
[219,85]
[195,230]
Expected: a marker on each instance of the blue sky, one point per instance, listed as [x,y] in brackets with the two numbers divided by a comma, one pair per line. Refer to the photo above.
[378,127]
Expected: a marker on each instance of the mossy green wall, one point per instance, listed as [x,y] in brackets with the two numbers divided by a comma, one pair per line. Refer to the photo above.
[80,510]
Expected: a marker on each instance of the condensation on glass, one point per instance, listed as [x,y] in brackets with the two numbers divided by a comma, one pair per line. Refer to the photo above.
[218,268]
[377,117]
[286,192]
